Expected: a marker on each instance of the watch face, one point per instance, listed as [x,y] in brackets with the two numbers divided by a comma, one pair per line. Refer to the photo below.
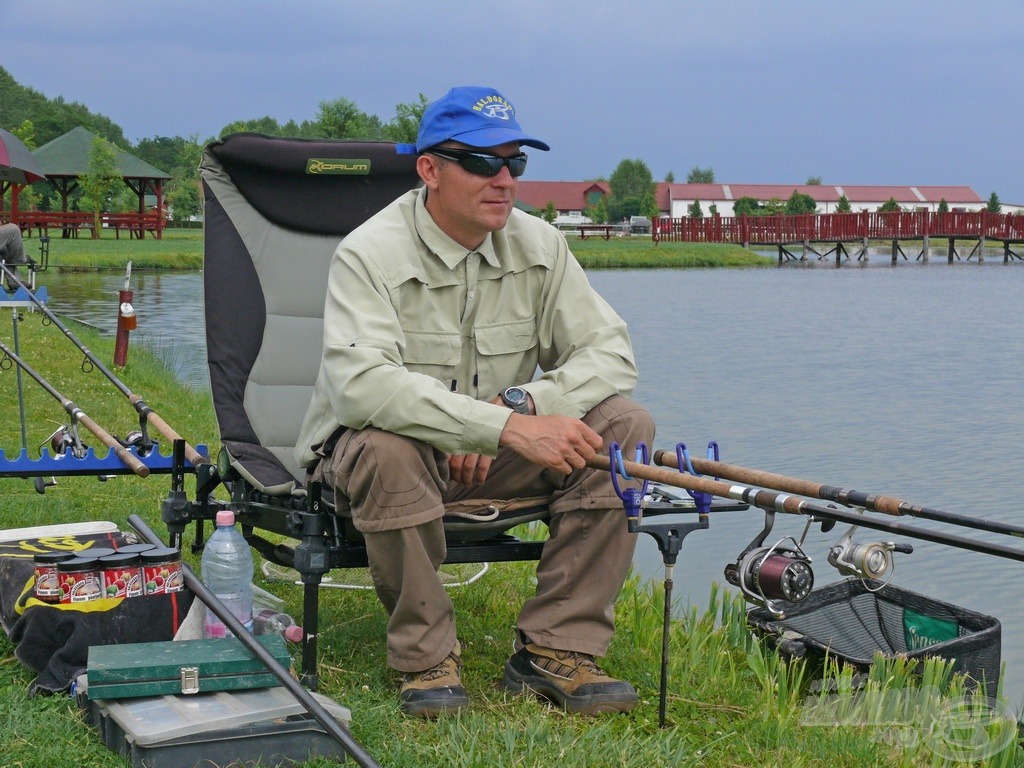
[515,396]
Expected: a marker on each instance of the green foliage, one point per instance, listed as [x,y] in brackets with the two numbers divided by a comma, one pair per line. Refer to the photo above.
[101,182]
[843,206]
[772,207]
[598,212]
[746,206]
[814,181]
[342,119]
[943,206]
[993,205]
[406,123]
[889,205]
[550,213]
[701,175]
[695,211]
[670,178]
[50,118]
[632,191]
[800,203]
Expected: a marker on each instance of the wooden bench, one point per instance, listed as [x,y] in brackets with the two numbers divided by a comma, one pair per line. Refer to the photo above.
[589,230]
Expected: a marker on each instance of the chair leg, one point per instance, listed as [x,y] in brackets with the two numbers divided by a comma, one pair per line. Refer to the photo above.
[312,561]
[310,627]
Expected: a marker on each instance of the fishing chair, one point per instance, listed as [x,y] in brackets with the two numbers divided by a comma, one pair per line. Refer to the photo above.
[275,211]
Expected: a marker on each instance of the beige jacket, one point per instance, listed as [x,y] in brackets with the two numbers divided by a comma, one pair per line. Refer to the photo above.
[420,334]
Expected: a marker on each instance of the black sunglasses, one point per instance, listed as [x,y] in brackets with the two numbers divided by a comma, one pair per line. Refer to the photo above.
[481,164]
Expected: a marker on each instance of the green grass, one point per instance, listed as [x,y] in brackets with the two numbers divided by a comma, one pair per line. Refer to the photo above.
[183,249]
[641,253]
[731,701]
[177,249]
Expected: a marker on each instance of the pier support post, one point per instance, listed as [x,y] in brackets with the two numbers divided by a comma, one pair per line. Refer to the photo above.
[981,249]
[952,251]
[924,249]
[895,251]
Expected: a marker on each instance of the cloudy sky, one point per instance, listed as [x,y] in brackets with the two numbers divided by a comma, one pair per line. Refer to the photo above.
[908,92]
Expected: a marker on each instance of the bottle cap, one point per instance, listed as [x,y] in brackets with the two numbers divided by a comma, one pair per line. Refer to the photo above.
[293,633]
[225,517]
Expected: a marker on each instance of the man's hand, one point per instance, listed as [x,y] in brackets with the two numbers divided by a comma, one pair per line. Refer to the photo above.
[557,442]
[469,468]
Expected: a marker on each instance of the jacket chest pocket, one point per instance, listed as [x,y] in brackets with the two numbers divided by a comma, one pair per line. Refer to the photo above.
[507,353]
[433,353]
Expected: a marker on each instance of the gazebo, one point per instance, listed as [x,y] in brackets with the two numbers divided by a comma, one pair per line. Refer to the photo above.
[65,159]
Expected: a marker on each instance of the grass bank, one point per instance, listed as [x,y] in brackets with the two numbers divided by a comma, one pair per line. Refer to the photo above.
[183,249]
[731,702]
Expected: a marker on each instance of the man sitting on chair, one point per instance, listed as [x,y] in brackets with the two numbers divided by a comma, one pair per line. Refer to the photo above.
[440,310]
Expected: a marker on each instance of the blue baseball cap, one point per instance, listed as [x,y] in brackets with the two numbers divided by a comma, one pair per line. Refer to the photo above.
[475,116]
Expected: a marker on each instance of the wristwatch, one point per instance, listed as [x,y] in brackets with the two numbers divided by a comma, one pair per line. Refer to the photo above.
[516,399]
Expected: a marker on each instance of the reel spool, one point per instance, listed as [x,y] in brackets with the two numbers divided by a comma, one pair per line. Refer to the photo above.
[872,560]
[779,572]
[869,560]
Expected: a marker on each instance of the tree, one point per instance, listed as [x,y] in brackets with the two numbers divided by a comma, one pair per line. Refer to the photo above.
[943,206]
[814,181]
[670,178]
[632,191]
[550,212]
[994,206]
[843,206]
[695,211]
[701,175]
[746,206]
[598,212]
[406,123]
[889,205]
[100,182]
[800,203]
[342,119]
[772,207]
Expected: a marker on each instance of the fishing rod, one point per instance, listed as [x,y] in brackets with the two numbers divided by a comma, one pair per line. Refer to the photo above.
[78,415]
[889,505]
[145,412]
[774,501]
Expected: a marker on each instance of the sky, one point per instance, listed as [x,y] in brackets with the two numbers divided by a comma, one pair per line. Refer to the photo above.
[906,92]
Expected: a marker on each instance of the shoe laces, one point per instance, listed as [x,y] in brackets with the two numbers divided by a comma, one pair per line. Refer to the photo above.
[582,661]
[442,669]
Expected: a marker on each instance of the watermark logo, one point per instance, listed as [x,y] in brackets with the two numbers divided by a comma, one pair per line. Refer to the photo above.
[964,729]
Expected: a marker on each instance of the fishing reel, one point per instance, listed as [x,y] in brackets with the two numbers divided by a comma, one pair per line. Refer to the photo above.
[765,574]
[865,560]
[65,440]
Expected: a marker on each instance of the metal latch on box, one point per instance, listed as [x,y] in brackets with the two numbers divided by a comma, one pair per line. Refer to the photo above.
[190,679]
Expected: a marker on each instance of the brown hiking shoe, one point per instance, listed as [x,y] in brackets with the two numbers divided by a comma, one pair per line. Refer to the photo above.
[571,679]
[434,691]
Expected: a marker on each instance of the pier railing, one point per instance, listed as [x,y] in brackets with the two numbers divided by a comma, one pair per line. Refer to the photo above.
[841,227]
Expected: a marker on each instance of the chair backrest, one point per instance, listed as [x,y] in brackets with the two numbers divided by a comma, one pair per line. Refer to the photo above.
[275,211]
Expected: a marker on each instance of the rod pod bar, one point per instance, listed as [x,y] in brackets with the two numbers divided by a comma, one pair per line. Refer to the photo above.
[784,502]
[76,413]
[356,750]
[889,505]
[144,411]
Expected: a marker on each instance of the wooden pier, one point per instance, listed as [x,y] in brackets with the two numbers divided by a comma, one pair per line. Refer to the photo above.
[848,232]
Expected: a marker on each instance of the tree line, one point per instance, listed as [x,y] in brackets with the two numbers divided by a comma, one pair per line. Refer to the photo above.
[37,120]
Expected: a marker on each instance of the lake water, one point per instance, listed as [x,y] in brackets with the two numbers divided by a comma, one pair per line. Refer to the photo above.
[900,380]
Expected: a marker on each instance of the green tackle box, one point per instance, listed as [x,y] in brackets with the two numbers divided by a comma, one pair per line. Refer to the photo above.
[181,667]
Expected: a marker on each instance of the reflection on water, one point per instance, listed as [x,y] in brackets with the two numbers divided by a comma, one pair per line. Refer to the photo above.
[900,380]
[169,307]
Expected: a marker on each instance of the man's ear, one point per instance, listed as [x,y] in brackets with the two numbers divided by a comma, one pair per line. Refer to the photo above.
[428,166]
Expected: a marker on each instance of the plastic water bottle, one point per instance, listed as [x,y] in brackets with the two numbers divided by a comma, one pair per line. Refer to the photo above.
[271,622]
[227,571]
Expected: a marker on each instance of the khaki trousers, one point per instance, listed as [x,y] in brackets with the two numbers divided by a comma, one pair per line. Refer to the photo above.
[395,489]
